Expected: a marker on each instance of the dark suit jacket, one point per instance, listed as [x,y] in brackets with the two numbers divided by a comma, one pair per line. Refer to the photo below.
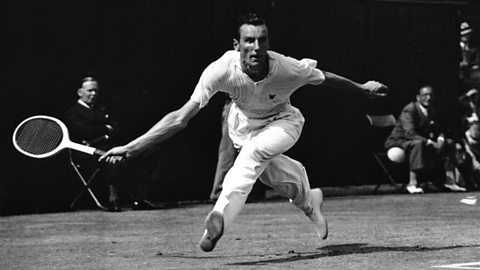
[86,125]
[412,124]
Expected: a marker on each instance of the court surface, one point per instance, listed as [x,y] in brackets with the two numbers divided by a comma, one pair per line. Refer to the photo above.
[393,231]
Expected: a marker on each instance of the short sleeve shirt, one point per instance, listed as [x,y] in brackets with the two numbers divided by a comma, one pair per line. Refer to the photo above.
[260,99]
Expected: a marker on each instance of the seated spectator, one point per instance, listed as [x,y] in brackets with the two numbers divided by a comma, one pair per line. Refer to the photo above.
[470,120]
[90,124]
[428,151]
[470,102]
[469,53]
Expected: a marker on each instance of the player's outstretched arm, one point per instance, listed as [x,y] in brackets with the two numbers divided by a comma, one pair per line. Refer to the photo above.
[369,89]
[164,129]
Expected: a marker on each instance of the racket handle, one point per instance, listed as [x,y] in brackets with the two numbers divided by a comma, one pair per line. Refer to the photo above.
[99,152]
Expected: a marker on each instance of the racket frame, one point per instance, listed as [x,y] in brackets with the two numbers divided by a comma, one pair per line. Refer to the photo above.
[65,143]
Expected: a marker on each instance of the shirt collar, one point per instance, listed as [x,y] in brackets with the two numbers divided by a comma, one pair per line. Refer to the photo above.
[423,109]
[81,102]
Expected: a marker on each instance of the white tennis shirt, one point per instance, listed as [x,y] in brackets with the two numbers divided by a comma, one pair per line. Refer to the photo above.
[262,99]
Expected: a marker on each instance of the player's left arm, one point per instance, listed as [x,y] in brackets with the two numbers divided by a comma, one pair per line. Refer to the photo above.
[369,89]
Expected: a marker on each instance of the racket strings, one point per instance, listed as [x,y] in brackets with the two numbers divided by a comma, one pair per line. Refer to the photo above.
[39,136]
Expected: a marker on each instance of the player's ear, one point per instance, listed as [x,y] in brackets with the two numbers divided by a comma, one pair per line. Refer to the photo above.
[235,44]
[79,93]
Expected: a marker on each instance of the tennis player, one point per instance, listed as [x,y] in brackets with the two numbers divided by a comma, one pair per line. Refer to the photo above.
[262,124]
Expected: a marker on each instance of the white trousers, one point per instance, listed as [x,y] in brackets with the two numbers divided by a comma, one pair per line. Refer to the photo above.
[263,143]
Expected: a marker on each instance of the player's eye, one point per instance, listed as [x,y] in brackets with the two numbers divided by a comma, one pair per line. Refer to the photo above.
[249,40]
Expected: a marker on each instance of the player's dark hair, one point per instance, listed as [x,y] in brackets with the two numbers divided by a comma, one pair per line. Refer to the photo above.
[248,18]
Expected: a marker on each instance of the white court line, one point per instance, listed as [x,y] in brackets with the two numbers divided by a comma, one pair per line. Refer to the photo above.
[472,265]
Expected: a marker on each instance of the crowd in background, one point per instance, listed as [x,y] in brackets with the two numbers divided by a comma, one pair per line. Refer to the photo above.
[469,78]
[448,158]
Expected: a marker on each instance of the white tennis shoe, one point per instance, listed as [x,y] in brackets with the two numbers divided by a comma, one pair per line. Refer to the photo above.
[471,200]
[213,231]
[454,187]
[316,216]
[413,189]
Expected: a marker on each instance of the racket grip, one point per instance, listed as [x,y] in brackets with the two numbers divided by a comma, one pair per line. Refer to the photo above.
[99,152]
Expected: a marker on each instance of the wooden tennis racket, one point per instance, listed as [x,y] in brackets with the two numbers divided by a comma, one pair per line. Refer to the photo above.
[44,136]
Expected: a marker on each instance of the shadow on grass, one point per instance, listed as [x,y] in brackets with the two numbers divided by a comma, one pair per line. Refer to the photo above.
[346,249]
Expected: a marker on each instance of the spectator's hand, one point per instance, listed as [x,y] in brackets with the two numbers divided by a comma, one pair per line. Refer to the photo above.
[375,89]
[435,145]
[438,145]
[441,142]
[432,143]
[114,155]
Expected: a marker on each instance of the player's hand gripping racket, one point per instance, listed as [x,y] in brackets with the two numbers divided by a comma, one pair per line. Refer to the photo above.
[44,136]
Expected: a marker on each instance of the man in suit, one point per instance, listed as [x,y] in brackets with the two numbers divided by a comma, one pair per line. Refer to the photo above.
[91,125]
[419,134]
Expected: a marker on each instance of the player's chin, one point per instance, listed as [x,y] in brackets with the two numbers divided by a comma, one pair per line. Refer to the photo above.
[254,62]
[257,60]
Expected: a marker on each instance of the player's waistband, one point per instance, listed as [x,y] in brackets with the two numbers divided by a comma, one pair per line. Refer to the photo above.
[273,112]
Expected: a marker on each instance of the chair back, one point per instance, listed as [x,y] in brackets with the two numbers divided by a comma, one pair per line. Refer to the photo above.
[380,128]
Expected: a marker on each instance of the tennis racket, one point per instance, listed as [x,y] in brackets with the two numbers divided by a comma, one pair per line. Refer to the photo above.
[44,136]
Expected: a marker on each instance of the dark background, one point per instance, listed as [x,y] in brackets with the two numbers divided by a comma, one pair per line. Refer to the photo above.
[148,56]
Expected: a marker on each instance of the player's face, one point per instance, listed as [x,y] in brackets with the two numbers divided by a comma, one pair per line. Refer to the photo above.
[425,96]
[253,45]
[89,92]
